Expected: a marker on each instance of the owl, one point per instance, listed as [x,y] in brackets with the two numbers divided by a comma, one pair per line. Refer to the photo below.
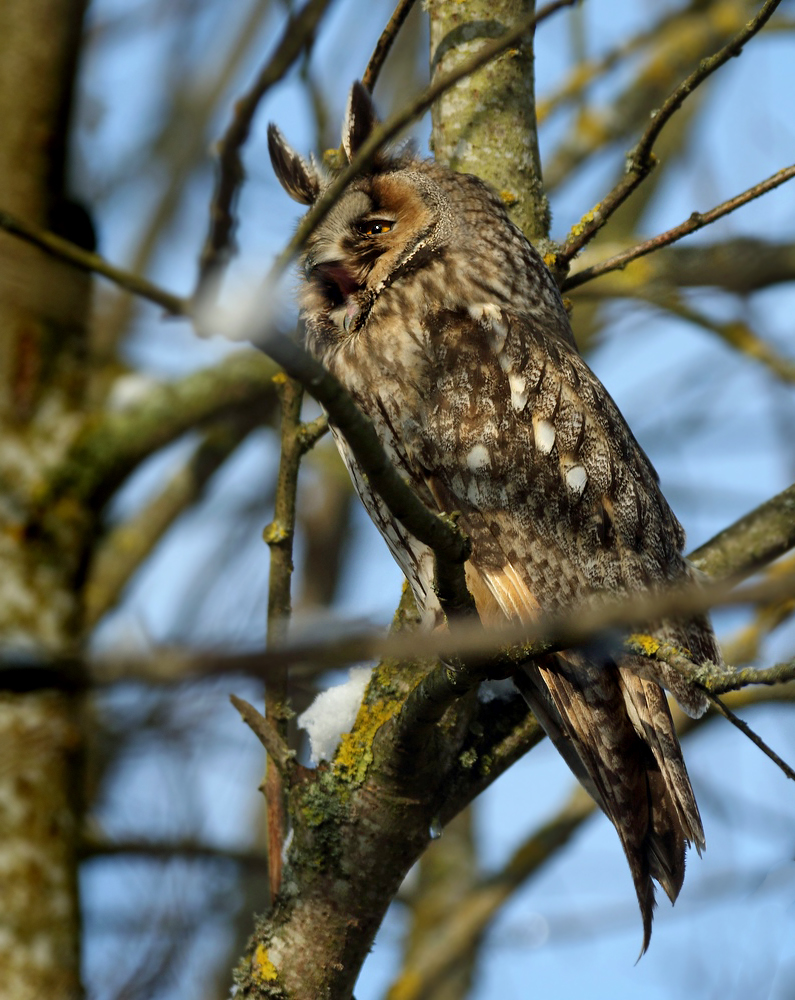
[442,321]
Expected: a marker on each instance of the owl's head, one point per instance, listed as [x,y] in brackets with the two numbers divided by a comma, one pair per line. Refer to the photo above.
[406,217]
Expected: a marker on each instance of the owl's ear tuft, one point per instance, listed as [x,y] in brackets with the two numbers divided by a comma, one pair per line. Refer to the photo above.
[360,119]
[298,178]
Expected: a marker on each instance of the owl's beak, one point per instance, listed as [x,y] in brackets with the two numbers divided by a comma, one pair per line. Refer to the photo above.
[336,281]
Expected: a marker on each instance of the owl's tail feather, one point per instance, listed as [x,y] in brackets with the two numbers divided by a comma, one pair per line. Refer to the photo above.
[614,730]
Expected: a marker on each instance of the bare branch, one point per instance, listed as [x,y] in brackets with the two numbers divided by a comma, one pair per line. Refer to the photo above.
[758,538]
[741,549]
[703,677]
[111,447]
[515,643]
[696,221]
[313,431]
[278,751]
[752,736]
[279,536]
[218,246]
[385,42]
[94,263]
[641,160]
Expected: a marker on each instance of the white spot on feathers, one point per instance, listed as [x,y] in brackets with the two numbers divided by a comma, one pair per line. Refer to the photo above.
[519,391]
[478,457]
[490,316]
[544,434]
[576,479]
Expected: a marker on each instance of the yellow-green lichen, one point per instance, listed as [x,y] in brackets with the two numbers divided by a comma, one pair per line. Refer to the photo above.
[508,198]
[261,966]
[648,644]
[406,986]
[586,220]
[334,159]
[355,753]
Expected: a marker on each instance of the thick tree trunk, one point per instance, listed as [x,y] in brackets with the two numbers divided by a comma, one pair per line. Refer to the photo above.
[486,124]
[42,313]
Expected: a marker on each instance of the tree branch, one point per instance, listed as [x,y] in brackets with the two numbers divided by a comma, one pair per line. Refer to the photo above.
[277,750]
[385,43]
[758,538]
[695,222]
[703,677]
[112,446]
[92,262]
[279,536]
[218,246]
[495,652]
[641,160]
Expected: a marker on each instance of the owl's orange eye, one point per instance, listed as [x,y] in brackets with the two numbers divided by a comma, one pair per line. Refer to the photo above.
[375,227]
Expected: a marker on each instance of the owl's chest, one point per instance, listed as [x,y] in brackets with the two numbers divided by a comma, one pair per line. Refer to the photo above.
[432,387]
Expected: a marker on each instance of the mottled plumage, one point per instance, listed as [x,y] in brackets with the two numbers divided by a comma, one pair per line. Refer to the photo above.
[442,321]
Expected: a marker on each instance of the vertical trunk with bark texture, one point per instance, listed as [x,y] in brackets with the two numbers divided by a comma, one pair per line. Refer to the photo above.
[486,124]
[42,322]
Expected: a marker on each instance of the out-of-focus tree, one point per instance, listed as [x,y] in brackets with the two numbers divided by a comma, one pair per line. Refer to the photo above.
[139,462]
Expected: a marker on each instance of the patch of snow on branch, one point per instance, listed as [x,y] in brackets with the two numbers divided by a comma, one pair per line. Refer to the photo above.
[333,713]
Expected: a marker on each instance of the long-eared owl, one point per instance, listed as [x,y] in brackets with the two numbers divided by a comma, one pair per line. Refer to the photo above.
[442,321]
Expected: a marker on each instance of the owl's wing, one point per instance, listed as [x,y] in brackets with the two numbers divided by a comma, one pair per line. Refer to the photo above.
[561,503]
[560,500]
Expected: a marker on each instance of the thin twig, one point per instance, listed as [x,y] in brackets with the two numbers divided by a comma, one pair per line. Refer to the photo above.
[265,732]
[752,736]
[703,677]
[94,263]
[641,159]
[313,431]
[696,221]
[218,246]
[735,333]
[495,652]
[385,42]
[279,535]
